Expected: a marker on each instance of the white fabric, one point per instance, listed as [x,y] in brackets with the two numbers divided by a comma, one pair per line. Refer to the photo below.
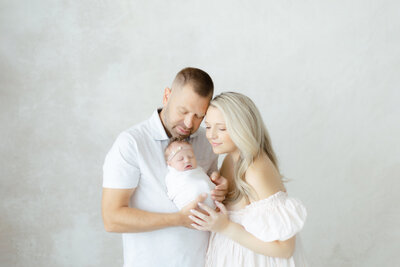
[277,217]
[136,160]
[184,186]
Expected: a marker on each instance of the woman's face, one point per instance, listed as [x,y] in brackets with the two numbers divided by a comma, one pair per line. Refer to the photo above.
[216,132]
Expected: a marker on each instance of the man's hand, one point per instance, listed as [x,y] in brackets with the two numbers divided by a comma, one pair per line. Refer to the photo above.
[185,211]
[221,188]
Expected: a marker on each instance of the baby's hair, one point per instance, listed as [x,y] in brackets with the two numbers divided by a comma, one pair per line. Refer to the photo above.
[173,140]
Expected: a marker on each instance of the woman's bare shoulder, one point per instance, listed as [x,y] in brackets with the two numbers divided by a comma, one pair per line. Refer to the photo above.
[264,177]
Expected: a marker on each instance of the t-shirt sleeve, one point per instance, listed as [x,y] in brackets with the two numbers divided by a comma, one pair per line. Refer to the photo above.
[121,168]
[277,218]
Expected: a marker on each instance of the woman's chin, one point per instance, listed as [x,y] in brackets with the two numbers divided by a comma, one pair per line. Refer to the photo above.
[217,150]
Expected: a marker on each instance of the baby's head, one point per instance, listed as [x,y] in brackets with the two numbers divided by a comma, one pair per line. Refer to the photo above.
[180,156]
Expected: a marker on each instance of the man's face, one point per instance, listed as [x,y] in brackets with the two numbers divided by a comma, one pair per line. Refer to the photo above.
[183,111]
[183,158]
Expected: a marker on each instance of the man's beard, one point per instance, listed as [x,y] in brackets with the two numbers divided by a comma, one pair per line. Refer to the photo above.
[172,130]
[185,129]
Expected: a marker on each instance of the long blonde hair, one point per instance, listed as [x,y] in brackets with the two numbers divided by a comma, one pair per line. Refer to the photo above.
[247,130]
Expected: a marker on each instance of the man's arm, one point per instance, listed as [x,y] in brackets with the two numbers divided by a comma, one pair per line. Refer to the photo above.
[120,218]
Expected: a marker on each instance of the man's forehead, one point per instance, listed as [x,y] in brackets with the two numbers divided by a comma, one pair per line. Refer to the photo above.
[196,104]
[188,91]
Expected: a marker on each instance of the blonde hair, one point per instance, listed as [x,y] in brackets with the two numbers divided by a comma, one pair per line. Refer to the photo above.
[247,130]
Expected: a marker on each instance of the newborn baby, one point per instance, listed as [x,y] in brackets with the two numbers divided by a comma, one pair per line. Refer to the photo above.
[184,180]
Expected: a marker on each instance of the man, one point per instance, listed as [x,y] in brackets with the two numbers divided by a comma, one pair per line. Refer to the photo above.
[135,200]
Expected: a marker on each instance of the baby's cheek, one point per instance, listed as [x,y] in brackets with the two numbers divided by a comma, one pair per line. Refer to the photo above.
[181,166]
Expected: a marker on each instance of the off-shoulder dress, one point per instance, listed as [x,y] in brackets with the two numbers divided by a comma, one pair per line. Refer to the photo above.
[278,217]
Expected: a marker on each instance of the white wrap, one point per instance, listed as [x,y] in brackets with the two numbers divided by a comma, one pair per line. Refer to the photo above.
[184,186]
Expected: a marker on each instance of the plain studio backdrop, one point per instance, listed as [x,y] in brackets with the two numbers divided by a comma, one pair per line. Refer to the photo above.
[74,74]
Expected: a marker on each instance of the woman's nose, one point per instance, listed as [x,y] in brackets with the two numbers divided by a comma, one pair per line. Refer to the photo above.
[213,134]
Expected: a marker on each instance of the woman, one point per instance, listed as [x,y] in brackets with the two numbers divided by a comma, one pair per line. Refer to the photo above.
[258,224]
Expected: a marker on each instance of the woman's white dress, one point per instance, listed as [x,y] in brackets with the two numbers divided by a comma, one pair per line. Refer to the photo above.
[277,217]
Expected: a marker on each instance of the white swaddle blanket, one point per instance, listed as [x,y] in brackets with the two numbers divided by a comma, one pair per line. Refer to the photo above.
[184,186]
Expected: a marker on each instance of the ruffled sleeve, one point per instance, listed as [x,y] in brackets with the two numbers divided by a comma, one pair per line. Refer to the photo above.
[277,217]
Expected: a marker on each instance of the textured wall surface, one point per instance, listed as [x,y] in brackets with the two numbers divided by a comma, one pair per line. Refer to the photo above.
[73,74]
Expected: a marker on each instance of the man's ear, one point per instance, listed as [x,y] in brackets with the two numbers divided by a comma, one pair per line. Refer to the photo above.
[167,94]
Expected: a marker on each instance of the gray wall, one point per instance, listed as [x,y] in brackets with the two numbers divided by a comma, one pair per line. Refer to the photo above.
[73,74]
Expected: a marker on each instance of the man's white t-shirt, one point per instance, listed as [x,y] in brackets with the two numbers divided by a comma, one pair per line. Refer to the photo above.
[136,160]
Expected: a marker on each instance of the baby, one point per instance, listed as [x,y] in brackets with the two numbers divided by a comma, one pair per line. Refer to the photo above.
[184,180]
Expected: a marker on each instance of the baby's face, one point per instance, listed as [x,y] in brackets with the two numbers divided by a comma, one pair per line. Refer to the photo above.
[184,159]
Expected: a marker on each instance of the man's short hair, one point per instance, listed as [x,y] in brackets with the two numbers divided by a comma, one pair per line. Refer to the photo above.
[197,78]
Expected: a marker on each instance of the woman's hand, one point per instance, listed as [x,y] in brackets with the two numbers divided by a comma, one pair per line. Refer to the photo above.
[215,221]
[184,213]
[221,188]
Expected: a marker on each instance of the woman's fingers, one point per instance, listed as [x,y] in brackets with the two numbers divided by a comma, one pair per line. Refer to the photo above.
[199,214]
[207,208]
[221,207]
[218,192]
[198,227]
[197,220]
[215,176]
[218,195]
